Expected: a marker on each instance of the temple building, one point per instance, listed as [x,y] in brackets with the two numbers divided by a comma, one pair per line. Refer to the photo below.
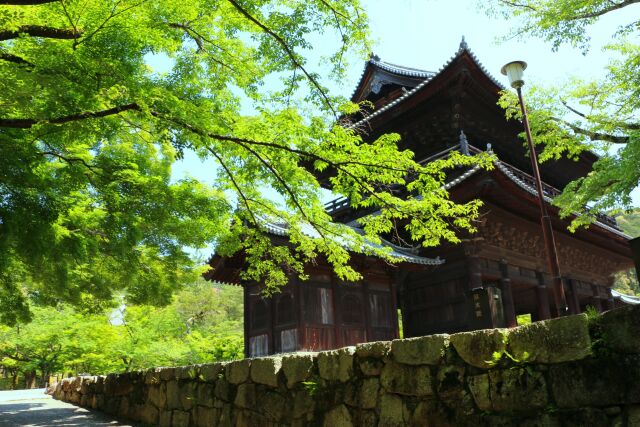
[486,281]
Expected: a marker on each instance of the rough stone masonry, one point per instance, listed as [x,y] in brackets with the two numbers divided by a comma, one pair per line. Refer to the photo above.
[570,371]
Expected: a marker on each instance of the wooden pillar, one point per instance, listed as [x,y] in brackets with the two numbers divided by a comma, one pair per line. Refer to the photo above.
[474,273]
[595,300]
[609,304]
[394,309]
[365,306]
[542,294]
[573,300]
[245,309]
[297,294]
[337,339]
[507,296]
[272,324]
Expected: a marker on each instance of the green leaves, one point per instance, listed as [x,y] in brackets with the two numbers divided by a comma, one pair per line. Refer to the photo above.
[89,133]
[600,116]
[202,323]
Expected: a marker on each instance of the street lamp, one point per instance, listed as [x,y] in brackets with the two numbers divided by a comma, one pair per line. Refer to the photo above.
[514,71]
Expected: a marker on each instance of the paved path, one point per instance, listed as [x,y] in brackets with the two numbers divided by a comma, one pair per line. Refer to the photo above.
[34,408]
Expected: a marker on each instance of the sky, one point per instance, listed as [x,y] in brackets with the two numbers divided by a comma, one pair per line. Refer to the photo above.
[427,33]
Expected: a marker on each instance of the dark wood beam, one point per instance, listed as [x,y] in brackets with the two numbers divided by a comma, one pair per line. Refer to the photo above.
[507,296]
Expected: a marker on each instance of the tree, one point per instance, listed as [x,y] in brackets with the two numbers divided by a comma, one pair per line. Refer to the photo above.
[600,115]
[88,134]
[202,324]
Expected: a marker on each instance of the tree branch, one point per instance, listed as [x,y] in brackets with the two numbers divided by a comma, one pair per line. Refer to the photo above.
[25,2]
[594,136]
[41,31]
[629,126]
[290,53]
[9,57]
[69,160]
[235,184]
[595,14]
[28,123]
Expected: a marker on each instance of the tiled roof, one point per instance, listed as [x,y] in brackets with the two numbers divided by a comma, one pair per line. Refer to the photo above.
[402,254]
[428,77]
[508,171]
[400,69]
[628,299]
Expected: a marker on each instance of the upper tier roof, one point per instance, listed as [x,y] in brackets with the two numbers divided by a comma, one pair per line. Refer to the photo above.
[377,73]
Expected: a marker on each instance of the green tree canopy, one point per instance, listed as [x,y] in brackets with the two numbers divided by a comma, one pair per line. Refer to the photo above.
[203,323]
[88,135]
[600,115]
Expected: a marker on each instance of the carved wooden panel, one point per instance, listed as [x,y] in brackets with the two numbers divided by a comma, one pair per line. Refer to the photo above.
[573,255]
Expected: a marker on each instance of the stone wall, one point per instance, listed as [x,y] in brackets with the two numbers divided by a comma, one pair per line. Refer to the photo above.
[572,371]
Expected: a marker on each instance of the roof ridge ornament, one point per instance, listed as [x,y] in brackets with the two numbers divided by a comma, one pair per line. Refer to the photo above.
[463,45]
[464,144]
[373,57]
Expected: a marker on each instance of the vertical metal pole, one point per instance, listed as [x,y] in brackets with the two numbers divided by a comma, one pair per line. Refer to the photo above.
[545,220]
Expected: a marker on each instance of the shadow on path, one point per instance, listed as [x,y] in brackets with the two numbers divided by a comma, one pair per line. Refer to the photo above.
[34,408]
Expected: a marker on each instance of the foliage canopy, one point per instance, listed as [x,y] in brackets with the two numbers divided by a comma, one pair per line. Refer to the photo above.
[599,115]
[88,135]
[203,323]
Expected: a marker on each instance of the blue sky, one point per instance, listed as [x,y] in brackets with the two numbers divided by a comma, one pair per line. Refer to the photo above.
[426,33]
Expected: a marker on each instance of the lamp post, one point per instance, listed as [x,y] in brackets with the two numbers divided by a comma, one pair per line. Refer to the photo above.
[514,70]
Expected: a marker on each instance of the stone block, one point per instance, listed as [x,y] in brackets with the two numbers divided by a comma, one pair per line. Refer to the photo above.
[585,417]
[369,393]
[148,414]
[246,396]
[204,395]
[338,417]
[188,395]
[450,382]
[158,395]
[180,419]
[336,365]
[517,390]
[273,406]
[167,374]
[620,329]
[265,370]
[164,419]
[633,415]
[477,348]
[210,372]
[205,417]
[429,350]
[393,411]
[237,372]
[173,395]
[428,413]
[587,383]
[551,341]
[187,372]
[303,403]
[152,376]
[226,417]
[376,349]
[222,390]
[479,388]
[123,408]
[99,387]
[297,368]
[370,367]
[407,380]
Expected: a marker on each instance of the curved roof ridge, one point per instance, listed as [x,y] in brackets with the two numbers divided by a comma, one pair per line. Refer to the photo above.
[464,47]
[399,69]
[279,228]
